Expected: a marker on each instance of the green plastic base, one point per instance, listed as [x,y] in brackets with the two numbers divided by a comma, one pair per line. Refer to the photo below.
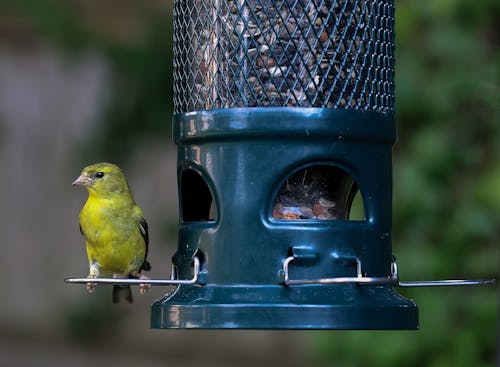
[280,307]
[238,159]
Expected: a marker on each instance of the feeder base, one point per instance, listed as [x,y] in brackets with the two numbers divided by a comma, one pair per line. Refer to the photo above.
[278,307]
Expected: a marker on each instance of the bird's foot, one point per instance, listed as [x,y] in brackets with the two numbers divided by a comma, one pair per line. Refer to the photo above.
[91,286]
[143,288]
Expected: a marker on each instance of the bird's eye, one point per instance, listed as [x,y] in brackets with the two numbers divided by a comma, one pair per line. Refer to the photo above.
[99,174]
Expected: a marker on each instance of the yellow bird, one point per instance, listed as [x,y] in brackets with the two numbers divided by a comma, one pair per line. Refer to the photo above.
[115,231]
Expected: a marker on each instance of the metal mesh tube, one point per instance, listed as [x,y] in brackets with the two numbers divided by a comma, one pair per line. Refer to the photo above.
[296,53]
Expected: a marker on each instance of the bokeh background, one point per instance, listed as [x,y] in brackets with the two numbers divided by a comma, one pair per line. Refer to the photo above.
[88,80]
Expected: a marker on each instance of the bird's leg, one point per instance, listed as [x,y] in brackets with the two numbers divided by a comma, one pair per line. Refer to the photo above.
[93,274]
[143,288]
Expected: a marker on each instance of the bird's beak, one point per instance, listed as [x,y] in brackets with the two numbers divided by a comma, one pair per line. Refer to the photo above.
[82,180]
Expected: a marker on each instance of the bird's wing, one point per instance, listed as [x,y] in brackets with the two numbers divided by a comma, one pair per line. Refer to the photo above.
[81,230]
[143,226]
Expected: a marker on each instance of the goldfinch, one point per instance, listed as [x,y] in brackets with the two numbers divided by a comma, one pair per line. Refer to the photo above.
[115,231]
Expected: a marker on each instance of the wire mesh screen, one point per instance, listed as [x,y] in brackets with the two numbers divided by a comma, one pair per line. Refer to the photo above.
[297,53]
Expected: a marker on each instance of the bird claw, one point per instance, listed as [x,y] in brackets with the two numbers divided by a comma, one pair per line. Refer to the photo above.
[143,288]
[91,286]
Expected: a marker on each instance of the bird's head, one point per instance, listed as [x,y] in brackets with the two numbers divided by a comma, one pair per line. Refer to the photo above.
[103,179]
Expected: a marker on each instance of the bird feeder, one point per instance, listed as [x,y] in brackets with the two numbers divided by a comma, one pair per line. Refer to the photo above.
[284,113]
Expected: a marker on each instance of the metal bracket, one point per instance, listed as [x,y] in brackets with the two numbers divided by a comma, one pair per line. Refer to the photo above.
[171,281]
[358,279]
[393,280]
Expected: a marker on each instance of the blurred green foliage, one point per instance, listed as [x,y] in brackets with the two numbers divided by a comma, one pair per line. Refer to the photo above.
[446,166]
[446,188]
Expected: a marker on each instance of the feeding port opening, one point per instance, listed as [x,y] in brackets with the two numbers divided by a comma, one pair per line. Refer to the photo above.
[197,203]
[319,192]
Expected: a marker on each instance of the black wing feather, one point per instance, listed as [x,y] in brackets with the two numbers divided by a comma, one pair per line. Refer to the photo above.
[143,226]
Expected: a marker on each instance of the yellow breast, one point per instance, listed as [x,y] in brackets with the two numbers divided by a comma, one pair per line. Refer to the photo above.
[113,235]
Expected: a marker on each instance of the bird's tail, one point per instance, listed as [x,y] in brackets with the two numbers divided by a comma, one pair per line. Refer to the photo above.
[145,266]
[122,292]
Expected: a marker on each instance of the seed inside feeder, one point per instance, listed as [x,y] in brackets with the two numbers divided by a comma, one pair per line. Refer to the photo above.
[261,53]
[318,192]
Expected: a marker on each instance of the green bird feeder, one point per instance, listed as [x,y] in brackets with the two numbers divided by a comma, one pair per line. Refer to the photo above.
[284,114]
[284,110]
